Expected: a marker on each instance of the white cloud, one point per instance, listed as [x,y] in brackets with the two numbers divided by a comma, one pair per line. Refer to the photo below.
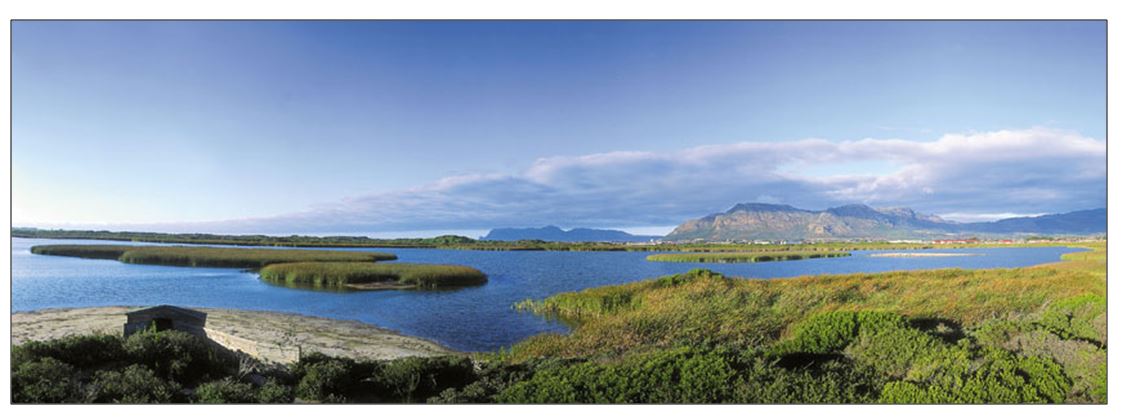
[1020,171]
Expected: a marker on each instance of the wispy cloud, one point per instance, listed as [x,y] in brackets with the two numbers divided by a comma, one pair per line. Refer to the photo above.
[968,175]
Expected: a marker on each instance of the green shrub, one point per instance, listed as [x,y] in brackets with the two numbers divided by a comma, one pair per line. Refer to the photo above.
[326,379]
[82,351]
[226,390]
[668,376]
[1082,317]
[1001,378]
[418,378]
[273,392]
[45,380]
[761,380]
[833,331]
[134,384]
[176,355]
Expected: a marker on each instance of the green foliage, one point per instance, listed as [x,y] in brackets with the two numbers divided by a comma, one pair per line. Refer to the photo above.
[744,257]
[274,392]
[45,380]
[326,379]
[205,256]
[335,275]
[82,351]
[1000,378]
[1082,317]
[226,390]
[833,331]
[177,356]
[679,375]
[133,384]
[414,379]
[1084,362]
[761,380]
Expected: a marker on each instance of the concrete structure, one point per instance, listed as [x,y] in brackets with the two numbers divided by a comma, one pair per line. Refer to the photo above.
[167,317]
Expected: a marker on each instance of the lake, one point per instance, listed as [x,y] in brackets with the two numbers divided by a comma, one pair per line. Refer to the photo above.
[470,319]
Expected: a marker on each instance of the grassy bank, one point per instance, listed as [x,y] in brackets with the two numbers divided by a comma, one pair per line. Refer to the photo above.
[205,256]
[1032,334]
[743,257]
[370,276]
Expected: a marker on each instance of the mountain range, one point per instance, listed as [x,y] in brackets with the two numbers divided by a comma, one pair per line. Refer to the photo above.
[762,221]
[553,233]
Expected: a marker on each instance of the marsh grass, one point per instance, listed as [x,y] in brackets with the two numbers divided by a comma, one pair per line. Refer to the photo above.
[205,256]
[371,276]
[744,257]
[704,306]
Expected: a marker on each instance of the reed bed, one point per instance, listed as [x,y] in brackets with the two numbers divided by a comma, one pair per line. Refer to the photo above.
[371,276]
[206,256]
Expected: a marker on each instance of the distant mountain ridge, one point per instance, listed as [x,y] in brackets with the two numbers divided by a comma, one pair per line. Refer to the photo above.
[764,221]
[553,233]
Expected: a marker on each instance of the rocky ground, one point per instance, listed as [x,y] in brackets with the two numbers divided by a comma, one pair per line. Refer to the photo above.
[329,336]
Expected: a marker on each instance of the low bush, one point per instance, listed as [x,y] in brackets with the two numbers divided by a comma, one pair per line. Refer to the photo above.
[226,390]
[133,384]
[45,380]
[82,351]
[177,356]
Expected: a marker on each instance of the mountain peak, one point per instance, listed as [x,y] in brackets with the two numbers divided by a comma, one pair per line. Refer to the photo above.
[763,207]
[763,221]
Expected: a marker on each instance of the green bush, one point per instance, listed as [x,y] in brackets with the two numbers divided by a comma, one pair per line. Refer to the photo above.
[274,392]
[1001,378]
[414,379]
[45,380]
[226,390]
[134,384]
[833,331]
[761,380]
[176,355]
[669,376]
[82,351]
[1082,317]
[326,379]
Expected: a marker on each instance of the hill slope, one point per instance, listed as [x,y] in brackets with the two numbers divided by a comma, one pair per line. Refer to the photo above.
[553,233]
[760,221]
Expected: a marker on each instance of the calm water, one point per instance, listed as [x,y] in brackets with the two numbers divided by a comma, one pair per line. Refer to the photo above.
[474,319]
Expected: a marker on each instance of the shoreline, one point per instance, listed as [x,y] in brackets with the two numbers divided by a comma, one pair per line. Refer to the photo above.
[335,337]
[920,255]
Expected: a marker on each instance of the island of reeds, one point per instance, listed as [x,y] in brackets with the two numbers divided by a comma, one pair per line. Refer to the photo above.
[314,269]
[371,276]
[744,257]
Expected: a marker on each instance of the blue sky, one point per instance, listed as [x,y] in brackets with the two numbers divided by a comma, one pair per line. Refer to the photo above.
[398,128]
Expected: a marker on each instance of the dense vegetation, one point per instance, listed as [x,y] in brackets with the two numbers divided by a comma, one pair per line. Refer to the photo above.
[744,257]
[371,275]
[175,367]
[205,256]
[1025,335]
[998,336]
